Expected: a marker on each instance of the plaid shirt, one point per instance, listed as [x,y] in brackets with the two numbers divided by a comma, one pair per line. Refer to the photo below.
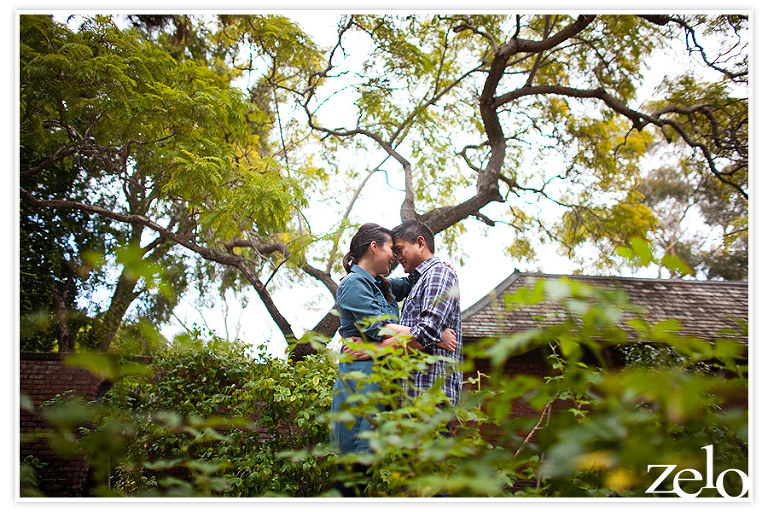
[431,307]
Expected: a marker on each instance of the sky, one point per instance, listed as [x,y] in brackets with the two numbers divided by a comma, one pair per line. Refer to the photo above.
[484,265]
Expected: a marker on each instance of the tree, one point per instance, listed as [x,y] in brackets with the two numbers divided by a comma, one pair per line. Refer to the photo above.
[567,85]
[158,151]
[719,247]
[480,116]
[49,272]
[539,122]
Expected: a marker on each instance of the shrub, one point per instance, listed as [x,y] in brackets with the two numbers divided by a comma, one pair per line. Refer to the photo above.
[205,418]
[210,419]
[617,422]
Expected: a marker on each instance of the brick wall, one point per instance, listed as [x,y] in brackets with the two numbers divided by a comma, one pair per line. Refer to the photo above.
[531,363]
[41,377]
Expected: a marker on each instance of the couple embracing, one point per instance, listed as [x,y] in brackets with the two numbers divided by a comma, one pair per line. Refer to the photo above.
[430,320]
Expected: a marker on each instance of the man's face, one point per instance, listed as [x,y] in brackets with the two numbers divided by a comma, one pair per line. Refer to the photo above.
[410,255]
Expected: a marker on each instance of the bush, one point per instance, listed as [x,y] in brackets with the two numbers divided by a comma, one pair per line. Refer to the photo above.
[610,425]
[209,419]
[205,418]
[29,478]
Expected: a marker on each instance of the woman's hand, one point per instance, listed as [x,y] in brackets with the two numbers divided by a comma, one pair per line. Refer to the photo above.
[449,342]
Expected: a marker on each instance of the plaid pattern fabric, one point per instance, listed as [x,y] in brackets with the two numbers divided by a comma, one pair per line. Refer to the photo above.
[431,307]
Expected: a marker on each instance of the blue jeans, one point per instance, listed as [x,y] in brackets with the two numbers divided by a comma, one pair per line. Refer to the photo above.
[345,439]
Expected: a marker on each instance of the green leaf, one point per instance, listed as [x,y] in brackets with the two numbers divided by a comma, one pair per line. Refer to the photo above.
[508,346]
[642,250]
[676,265]
[205,467]
[103,366]
[557,290]
[160,465]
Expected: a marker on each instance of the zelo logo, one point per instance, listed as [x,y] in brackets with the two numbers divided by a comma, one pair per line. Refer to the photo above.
[691,475]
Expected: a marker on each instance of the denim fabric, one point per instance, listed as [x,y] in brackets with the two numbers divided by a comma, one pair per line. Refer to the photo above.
[344,438]
[358,298]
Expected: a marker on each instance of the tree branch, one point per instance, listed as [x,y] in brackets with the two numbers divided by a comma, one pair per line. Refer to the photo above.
[61,153]
[356,194]
[700,49]
[206,252]
[639,119]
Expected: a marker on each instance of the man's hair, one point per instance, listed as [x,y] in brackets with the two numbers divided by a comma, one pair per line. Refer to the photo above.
[410,230]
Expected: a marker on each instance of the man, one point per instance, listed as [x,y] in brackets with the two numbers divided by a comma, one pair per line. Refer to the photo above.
[431,307]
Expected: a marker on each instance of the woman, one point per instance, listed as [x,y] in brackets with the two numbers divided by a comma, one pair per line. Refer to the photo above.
[366,294]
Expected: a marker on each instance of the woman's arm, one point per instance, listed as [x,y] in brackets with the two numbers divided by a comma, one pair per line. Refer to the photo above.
[387,341]
[448,341]
[448,337]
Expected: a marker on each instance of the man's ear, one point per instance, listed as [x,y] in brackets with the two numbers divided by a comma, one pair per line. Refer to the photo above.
[421,242]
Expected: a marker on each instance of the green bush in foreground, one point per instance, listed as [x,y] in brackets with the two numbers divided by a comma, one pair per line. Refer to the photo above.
[187,424]
[204,418]
[659,410]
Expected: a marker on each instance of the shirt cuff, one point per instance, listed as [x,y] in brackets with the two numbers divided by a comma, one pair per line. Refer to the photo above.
[420,334]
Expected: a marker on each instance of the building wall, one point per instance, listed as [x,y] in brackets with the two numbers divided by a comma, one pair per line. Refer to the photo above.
[532,364]
[41,377]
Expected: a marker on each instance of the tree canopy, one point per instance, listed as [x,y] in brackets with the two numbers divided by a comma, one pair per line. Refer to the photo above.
[158,150]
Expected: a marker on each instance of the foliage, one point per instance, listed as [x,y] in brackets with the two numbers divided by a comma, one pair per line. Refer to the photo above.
[600,426]
[221,133]
[680,196]
[182,427]
[602,423]
[129,151]
[208,418]
[204,418]
[29,477]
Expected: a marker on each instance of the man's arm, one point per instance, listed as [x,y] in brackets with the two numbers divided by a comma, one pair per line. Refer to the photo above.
[440,296]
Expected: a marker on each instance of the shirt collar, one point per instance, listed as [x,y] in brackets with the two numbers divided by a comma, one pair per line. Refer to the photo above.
[423,267]
[359,270]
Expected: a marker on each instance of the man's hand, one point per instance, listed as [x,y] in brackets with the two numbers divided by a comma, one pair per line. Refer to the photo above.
[349,348]
[449,342]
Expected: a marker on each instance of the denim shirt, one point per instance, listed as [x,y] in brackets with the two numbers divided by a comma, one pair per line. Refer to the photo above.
[359,298]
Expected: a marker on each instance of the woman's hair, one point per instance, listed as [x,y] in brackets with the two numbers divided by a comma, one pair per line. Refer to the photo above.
[358,246]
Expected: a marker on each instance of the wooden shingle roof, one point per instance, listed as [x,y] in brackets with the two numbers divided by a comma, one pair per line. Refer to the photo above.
[702,308]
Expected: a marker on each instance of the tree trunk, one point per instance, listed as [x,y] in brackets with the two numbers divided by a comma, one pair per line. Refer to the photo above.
[66,340]
[125,292]
[326,327]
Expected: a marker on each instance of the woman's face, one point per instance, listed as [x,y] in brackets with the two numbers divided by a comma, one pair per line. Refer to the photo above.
[384,257]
